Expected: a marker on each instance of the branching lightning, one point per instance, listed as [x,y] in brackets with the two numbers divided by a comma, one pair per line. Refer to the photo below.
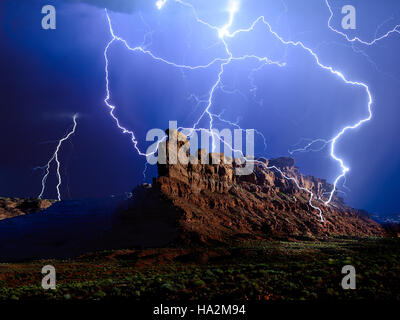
[54,157]
[332,142]
[223,33]
[309,146]
[237,126]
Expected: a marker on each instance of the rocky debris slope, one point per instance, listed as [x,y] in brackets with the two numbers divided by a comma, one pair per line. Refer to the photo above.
[13,207]
[209,203]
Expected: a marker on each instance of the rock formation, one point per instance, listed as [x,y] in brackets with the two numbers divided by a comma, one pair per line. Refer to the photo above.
[209,204]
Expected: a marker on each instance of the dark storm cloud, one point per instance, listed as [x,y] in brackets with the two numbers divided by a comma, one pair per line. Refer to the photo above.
[127,6]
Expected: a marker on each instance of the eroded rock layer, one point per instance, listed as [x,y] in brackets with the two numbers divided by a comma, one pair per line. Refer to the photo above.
[209,203]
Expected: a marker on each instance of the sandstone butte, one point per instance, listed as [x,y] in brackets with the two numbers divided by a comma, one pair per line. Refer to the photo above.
[209,204]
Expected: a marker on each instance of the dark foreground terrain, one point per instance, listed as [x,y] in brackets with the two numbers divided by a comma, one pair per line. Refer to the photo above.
[263,270]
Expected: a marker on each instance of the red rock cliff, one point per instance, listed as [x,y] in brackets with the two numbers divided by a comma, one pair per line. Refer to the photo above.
[209,203]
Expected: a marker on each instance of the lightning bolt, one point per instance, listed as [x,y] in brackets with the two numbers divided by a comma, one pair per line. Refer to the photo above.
[146,52]
[334,140]
[54,157]
[236,125]
[309,146]
[223,62]
[223,33]
[160,4]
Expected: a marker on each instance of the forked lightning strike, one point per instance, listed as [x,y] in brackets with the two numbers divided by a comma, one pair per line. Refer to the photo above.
[334,140]
[223,33]
[58,165]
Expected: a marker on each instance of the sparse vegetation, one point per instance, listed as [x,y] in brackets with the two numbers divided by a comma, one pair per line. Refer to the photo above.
[255,271]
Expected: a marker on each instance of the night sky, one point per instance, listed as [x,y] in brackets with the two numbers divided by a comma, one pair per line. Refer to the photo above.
[49,75]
